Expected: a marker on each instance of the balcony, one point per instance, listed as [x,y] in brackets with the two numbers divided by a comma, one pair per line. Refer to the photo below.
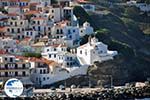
[13,68]
[13,76]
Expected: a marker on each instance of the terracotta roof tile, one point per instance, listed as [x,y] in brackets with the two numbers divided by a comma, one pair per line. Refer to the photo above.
[3,29]
[2,52]
[39,18]
[32,12]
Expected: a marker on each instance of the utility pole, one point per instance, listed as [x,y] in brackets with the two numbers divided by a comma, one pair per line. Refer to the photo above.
[111,79]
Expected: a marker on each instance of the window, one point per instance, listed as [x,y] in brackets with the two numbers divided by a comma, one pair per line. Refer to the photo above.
[11,59]
[80,51]
[23,66]
[61,31]
[15,23]
[44,71]
[71,64]
[6,66]
[27,33]
[69,32]
[31,33]
[70,37]
[46,11]
[16,73]
[74,30]
[52,11]
[54,55]
[57,32]
[21,23]
[11,23]
[85,52]
[36,79]
[54,49]
[47,50]
[5,59]
[33,22]
[43,78]
[101,51]
[12,30]
[40,71]
[67,64]
[39,28]
[16,66]
[24,73]
[6,74]
[8,30]
[49,55]
[38,22]
[18,30]
[70,58]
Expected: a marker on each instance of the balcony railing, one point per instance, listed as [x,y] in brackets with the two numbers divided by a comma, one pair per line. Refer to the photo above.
[14,68]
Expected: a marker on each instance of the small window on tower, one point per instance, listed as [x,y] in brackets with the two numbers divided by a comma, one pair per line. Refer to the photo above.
[52,11]
[80,51]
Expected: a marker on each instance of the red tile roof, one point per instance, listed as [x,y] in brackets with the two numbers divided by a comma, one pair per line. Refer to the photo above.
[39,18]
[32,12]
[34,4]
[12,14]
[2,29]
[33,59]
[2,52]
[83,1]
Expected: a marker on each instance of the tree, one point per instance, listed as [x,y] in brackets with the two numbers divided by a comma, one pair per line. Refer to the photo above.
[147,1]
[28,54]
[3,10]
[132,12]
[54,1]
[81,14]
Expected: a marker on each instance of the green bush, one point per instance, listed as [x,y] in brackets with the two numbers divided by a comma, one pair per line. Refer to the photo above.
[132,12]
[123,48]
[3,10]
[81,14]
[102,34]
[28,54]
[54,1]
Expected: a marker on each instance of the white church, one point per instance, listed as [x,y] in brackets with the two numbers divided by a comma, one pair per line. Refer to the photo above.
[94,51]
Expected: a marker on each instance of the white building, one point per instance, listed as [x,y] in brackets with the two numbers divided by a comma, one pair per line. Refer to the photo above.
[14,9]
[143,7]
[48,72]
[86,29]
[12,67]
[69,34]
[54,13]
[31,33]
[54,52]
[43,2]
[94,51]
[17,25]
[7,43]
[41,25]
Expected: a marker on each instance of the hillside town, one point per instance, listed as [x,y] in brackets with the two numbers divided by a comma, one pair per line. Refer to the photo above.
[40,44]
[38,27]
